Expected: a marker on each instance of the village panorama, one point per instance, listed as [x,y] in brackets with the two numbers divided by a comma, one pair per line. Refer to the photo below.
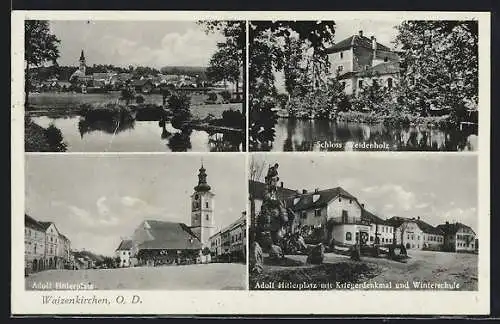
[362,229]
[363,85]
[101,86]
[189,243]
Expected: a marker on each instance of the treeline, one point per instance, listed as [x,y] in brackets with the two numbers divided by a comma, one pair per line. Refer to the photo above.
[186,70]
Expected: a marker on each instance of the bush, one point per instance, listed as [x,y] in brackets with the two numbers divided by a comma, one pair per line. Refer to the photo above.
[179,105]
[226,96]
[139,99]
[212,97]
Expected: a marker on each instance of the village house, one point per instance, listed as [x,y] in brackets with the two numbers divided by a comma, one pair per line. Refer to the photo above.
[45,247]
[124,252]
[458,237]
[144,86]
[229,244]
[359,61]
[34,245]
[414,233]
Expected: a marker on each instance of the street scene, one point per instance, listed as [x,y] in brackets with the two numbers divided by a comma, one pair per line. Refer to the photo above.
[363,85]
[135,222]
[359,228]
[93,86]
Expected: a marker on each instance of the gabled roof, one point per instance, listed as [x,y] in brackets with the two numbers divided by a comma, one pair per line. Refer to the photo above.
[170,235]
[140,83]
[380,69]
[365,214]
[306,200]
[355,41]
[125,245]
[46,225]
[32,223]
[257,189]
[424,227]
[453,228]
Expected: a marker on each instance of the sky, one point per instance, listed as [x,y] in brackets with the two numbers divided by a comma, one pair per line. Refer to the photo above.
[96,200]
[436,187]
[138,43]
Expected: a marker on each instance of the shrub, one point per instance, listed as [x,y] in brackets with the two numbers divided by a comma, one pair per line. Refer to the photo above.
[139,99]
[226,96]
[212,97]
[179,105]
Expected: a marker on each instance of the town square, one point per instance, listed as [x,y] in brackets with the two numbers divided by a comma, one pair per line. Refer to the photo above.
[124,227]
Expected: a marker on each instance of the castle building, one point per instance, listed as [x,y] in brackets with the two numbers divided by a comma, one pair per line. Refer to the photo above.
[358,62]
[202,209]
[458,237]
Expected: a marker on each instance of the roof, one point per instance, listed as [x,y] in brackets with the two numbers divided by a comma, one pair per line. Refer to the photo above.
[355,41]
[45,225]
[424,227]
[240,221]
[170,235]
[381,69]
[453,228]
[102,75]
[325,196]
[32,223]
[125,245]
[140,83]
[365,214]
[257,189]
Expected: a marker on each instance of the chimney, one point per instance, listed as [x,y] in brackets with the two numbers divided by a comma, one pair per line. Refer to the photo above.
[281,184]
[360,33]
[304,191]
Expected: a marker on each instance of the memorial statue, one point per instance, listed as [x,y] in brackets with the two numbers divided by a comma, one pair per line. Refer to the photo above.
[274,216]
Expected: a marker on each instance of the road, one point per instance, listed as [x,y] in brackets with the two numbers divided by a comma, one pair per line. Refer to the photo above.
[425,266]
[214,276]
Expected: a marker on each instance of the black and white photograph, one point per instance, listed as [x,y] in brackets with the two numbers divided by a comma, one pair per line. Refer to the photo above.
[343,224]
[135,86]
[135,222]
[363,85]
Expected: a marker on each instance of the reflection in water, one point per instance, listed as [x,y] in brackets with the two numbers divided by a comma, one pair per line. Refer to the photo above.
[181,141]
[323,135]
[109,126]
[224,142]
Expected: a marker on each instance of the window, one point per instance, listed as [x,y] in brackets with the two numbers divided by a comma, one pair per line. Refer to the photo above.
[206,204]
[317,212]
[383,240]
[303,214]
[206,216]
[408,236]
[340,68]
[345,216]
[341,55]
[340,199]
[418,237]
[350,201]
[348,236]
[371,238]
[389,83]
[360,84]
[386,59]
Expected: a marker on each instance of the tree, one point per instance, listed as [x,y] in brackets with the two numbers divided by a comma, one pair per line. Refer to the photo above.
[40,47]
[179,105]
[225,65]
[439,64]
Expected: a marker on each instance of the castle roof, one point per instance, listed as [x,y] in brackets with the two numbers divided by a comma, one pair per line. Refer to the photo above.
[306,200]
[355,41]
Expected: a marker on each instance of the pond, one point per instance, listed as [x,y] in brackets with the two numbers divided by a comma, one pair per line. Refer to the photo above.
[325,135]
[136,136]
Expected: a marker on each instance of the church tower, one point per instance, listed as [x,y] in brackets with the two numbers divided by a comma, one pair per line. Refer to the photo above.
[202,209]
[83,64]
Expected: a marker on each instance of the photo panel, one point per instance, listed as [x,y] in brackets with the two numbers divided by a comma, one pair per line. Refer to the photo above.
[348,223]
[135,222]
[135,86]
[394,84]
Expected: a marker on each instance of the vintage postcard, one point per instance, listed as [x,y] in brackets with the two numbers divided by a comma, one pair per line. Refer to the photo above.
[195,162]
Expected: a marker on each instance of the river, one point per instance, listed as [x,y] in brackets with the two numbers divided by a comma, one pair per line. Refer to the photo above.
[324,135]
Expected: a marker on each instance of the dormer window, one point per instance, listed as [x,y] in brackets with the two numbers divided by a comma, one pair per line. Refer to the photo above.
[317,212]
[315,197]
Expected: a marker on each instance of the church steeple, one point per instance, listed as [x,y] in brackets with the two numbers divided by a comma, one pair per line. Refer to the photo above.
[202,181]
[83,64]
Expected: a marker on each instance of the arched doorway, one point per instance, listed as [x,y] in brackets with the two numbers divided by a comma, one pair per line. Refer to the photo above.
[34,265]
[407,245]
[50,263]
[40,265]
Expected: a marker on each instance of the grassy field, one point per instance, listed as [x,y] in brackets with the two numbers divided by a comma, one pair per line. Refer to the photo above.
[66,101]
[214,276]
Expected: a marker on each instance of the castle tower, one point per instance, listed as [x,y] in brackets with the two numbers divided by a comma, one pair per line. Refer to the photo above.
[83,64]
[202,209]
